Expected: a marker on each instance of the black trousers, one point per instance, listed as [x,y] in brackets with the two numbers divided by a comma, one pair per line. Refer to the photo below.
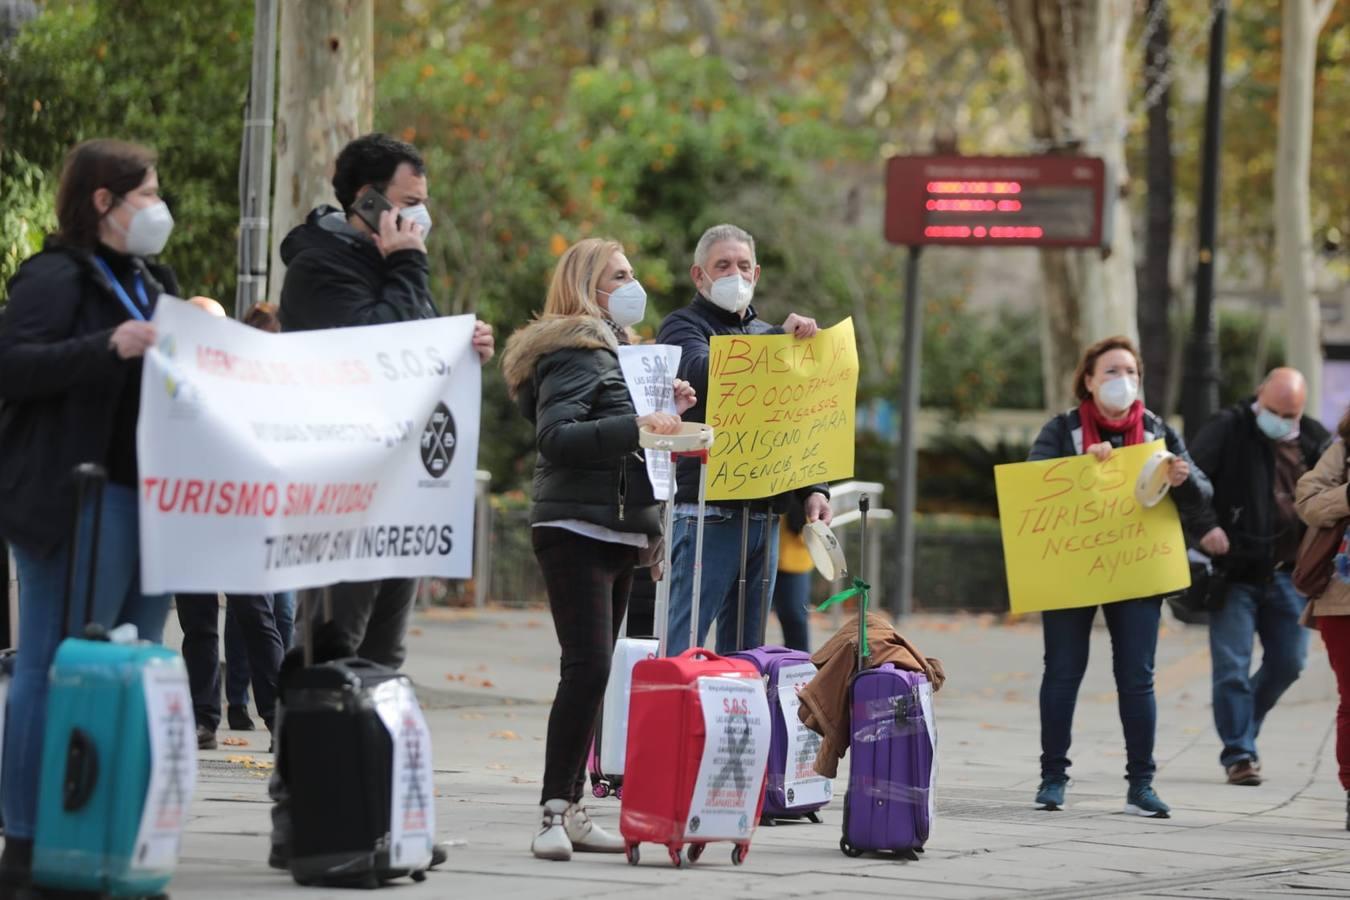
[588,583]
[199,616]
[369,619]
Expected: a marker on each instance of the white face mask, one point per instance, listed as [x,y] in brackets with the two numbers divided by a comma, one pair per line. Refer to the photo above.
[419,215]
[149,230]
[627,304]
[1118,394]
[732,293]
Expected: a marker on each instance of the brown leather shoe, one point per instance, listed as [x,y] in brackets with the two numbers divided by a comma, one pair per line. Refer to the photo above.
[1244,772]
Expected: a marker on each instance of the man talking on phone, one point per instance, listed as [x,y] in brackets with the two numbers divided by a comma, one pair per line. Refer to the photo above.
[363,264]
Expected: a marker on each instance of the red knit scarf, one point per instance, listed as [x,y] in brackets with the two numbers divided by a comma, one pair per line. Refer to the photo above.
[1094,423]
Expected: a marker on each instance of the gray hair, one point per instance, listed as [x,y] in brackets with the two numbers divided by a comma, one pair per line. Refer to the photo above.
[716,235]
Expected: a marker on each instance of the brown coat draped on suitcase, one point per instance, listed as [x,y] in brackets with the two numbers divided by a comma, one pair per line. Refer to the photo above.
[824,701]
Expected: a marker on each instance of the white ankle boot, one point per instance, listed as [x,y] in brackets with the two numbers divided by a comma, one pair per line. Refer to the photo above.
[586,836]
[552,840]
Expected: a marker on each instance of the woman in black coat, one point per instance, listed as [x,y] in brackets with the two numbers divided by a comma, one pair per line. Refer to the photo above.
[592,509]
[72,339]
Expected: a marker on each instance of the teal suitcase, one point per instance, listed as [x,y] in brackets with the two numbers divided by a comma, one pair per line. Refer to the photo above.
[119,761]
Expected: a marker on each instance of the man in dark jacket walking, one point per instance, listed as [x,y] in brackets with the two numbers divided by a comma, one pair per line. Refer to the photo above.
[725,273]
[1254,453]
[342,272]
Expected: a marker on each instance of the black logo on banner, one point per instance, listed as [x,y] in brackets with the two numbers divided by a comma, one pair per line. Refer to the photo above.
[438,441]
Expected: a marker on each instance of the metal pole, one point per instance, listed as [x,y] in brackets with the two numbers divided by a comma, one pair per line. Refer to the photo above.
[482,549]
[255,162]
[908,449]
[1201,398]
[740,589]
[660,619]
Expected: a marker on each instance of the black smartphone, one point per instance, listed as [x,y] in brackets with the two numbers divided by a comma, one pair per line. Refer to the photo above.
[370,206]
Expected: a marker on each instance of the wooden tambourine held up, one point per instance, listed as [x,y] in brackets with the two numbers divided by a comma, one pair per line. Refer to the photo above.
[692,437]
[1152,484]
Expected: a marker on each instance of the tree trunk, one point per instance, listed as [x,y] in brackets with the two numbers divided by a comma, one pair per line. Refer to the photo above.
[327,88]
[1155,298]
[1302,20]
[1074,52]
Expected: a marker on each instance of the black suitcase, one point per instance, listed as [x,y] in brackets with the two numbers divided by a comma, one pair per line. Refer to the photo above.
[337,759]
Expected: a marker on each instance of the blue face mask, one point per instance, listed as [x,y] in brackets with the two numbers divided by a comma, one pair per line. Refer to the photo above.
[1274,427]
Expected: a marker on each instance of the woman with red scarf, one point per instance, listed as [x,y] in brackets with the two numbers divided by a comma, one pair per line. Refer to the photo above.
[1109,416]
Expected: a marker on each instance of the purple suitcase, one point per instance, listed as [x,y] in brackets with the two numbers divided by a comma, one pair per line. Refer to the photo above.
[889,804]
[770,660]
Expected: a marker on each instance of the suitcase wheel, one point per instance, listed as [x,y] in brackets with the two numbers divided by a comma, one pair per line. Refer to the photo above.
[739,853]
[600,790]
[618,792]
[676,858]
[631,851]
[694,852]
[419,875]
[849,849]
[813,818]
[909,854]
[767,821]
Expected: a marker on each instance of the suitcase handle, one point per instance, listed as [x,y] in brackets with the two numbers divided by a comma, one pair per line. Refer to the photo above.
[89,481]
[698,653]
[81,771]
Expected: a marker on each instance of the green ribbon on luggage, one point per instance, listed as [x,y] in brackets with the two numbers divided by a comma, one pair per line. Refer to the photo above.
[859,588]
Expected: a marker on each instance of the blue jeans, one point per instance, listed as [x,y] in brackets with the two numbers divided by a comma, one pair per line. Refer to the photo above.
[237,673]
[1241,699]
[721,577]
[791,597]
[1134,639]
[42,599]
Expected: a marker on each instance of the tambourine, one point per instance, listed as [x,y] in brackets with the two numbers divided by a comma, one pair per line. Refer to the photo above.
[825,551]
[691,436]
[1152,484]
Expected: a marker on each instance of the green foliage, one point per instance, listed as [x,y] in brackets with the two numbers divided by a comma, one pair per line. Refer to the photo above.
[1242,364]
[26,213]
[975,361]
[171,75]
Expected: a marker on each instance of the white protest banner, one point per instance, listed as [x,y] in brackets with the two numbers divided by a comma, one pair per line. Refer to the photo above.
[272,462]
[649,370]
[735,756]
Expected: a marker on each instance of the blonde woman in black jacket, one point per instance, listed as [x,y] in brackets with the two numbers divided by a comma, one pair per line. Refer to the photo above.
[593,509]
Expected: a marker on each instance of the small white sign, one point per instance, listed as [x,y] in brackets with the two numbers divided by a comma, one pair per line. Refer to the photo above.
[649,370]
[735,756]
[926,702]
[173,765]
[802,786]
[412,814]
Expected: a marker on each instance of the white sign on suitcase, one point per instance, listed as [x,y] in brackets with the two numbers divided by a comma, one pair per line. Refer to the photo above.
[412,816]
[801,785]
[735,756]
[173,765]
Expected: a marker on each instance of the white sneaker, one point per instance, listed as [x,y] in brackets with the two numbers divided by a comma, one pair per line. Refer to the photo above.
[551,842]
[586,836]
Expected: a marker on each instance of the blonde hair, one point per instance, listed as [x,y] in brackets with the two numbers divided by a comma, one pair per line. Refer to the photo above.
[575,281]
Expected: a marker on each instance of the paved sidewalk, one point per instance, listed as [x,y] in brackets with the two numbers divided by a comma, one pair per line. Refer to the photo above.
[486,680]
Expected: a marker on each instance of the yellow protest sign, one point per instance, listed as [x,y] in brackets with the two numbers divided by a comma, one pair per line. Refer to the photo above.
[1073,534]
[782,410]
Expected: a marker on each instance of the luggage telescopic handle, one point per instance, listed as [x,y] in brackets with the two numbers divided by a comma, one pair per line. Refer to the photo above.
[863,504]
[89,481]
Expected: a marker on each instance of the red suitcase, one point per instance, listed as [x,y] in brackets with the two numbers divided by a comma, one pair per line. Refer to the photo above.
[681,787]
[667,736]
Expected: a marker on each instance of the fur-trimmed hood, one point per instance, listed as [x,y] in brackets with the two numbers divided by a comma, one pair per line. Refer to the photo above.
[548,334]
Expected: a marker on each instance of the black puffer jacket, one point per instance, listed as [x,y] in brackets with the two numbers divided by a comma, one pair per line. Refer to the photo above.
[564,375]
[336,278]
[65,395]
